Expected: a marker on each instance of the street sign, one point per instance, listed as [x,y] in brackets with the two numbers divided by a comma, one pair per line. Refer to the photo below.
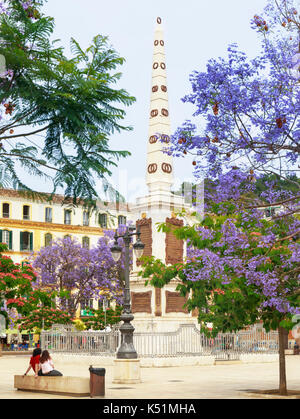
[85,312]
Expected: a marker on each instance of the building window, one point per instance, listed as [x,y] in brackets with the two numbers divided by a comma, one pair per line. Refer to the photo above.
[5,210]
[86,242]
[86,303]
[26,212]
[6,237]
[121,220]
[103,220]
[67,217]
[48,239]
[85,218]
[26,241]
[270,212]
[67,236]
[48,215]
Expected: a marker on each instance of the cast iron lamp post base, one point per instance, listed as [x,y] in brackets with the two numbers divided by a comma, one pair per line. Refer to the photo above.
[126,349]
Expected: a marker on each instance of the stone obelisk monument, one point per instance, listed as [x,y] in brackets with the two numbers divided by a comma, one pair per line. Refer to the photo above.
[159,309]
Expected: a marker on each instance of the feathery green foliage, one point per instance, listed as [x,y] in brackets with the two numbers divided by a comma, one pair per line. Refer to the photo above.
[56,114]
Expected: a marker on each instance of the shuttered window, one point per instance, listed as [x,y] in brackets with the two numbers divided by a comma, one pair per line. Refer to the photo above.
[26,212]
[121,220]
[26,241]
[48,239]
[48,215]
[85,218]
[103,220]
[67,217]
[86,242]
[5,210]
[6,237]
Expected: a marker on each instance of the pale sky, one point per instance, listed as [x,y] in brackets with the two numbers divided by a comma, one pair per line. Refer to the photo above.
[194,30]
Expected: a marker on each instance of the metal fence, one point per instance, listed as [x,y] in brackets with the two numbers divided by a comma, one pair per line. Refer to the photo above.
[67,340]
[186,341]
[189,341]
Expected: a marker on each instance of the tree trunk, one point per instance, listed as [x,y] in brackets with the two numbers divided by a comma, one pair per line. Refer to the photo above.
[282,369]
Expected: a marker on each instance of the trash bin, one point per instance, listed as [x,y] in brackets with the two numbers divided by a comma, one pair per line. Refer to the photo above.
[97,381]
[296,349]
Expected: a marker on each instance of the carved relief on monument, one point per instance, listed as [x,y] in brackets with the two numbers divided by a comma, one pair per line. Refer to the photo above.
[158,311]
[175,302]
[166,168]
[174,247]
[165,138]
[141,302]
[153,139]
[152,168]
[145,226]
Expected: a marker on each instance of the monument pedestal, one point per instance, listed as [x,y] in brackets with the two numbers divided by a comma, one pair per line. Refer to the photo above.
[127,371]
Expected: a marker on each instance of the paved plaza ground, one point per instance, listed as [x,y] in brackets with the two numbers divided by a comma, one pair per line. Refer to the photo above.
[189,382]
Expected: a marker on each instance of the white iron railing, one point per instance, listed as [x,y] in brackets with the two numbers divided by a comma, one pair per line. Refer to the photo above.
[186,341]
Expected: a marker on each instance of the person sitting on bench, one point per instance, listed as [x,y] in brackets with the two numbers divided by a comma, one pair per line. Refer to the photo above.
[46,367]
[34,361]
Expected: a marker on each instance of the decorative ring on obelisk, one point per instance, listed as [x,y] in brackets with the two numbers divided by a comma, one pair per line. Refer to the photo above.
[166,167]
[158,20]
[165,112]
[163,88]
[163,65]
[155,66]
[153,139]
[165,138]
[156,42]
[162,43]
[152,168]
[154,89]
[154,113]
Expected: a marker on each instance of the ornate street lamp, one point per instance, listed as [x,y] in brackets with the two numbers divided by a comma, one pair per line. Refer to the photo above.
[126,349]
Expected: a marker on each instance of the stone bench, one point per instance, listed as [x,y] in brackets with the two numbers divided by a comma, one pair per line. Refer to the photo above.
[70,386]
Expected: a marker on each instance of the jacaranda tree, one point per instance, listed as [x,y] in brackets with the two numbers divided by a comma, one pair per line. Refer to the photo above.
[56,113]
[249,109]
[82,273]
[99,319]
[241,267]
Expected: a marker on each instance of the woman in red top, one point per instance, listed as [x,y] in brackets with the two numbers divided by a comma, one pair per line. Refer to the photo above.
[34,361]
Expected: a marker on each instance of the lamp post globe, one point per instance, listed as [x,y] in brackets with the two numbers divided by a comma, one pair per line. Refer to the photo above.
[138,248]
[116,251]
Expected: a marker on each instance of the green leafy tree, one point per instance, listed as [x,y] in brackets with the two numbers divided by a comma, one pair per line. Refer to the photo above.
[42,318]
[21,304]
[97,320]
[15,283]
[240,269]
[56,113]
